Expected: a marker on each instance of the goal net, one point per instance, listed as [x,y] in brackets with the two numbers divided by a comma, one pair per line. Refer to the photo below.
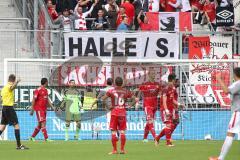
[205,116]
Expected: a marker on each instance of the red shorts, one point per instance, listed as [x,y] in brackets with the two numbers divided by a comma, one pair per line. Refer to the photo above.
[118,123]
[166,118]
[150,113]
[41,116]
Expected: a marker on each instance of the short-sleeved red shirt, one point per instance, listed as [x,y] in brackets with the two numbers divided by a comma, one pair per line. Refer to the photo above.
[41,99]
[130,11]
[118,97]
[150,92]
[171,93]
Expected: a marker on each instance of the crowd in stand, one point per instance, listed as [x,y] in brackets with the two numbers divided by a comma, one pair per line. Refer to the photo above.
[126,14]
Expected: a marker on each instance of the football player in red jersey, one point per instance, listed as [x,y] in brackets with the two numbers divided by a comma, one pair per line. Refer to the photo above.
[39,105]
[167,109]
[118,96]
[150,91]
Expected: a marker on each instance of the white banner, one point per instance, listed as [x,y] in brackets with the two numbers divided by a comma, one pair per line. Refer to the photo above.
[130,45]
[236,5]
[203,76]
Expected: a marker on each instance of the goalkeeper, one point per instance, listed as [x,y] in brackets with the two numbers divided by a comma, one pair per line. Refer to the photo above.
[71,104]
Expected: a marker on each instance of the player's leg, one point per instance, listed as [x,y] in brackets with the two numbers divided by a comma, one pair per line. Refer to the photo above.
[13,120]
[37,129]
[2,128]
[146,129]
[4,120]
[162,133]
[122,122]
[67,125]
[35,132]
[168,133]
[234,127]
[225,148]
[43,115]
[78,127]
[113,128]
[77,119]
[151,116]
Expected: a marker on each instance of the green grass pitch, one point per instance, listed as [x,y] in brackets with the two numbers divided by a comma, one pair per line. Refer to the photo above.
[98,150]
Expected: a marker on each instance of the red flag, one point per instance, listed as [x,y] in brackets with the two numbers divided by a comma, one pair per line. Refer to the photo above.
[153,20]
[185,21]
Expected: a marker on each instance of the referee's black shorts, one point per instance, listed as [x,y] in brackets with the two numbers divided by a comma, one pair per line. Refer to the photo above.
[9,116]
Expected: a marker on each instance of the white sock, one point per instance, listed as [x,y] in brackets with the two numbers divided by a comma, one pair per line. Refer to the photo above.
[225,148]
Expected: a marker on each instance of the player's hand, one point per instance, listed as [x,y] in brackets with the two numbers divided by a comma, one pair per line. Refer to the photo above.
[18,80]
[31,112]
[167,112]
[181,106]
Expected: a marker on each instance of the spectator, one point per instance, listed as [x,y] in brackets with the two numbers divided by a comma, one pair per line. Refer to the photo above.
[209,9]
[112,17]
[65,20]
[130,10]
[101,22]
[121,14]
[124,25]
[80,17]
[145,26]
[51,10]
[109,4]
[138,7]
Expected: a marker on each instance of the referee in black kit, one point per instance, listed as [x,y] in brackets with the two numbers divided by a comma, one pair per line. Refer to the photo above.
[9,116]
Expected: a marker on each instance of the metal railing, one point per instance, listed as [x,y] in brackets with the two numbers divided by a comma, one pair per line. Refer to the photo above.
[16,20]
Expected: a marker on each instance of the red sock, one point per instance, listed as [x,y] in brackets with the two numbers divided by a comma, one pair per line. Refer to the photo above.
[36,131]
[161,134]
[44,131]
[152,130]
[168,133]
[123,141]
[114,142]
[146,131]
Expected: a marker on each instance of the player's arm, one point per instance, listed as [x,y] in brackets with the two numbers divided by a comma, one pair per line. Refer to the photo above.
[133,102]
[15,84]
[33,104]
[164,97]
[50,104]
[96,100]
[222,84]
[177,104]
[104,98]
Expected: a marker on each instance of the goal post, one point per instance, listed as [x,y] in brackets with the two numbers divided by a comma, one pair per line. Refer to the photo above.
[206,112]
